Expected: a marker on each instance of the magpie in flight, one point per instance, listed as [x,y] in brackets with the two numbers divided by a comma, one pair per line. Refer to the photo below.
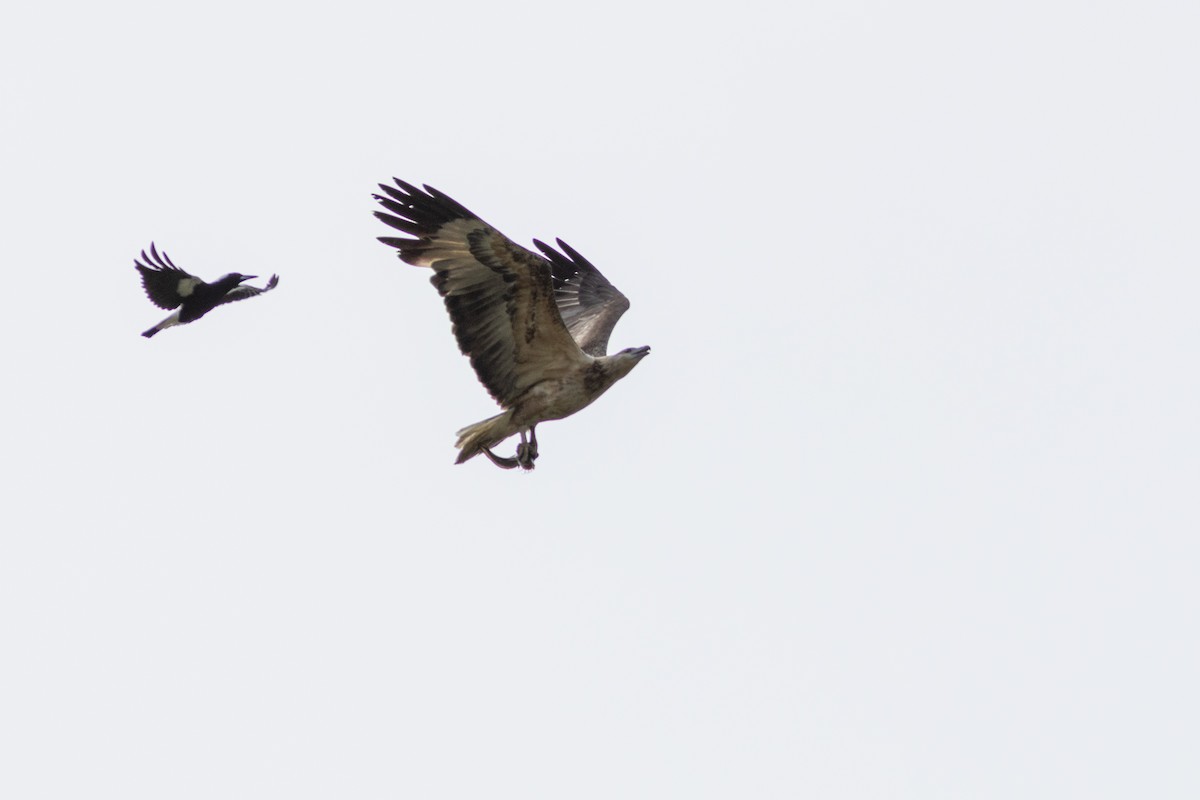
[169,287]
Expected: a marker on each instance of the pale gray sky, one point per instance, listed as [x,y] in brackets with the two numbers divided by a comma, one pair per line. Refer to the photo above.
[902,504]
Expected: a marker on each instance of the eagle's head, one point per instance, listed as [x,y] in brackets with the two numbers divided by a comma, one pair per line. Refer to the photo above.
[621,363]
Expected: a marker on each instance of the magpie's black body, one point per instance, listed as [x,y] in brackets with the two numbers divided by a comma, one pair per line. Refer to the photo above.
[169,287]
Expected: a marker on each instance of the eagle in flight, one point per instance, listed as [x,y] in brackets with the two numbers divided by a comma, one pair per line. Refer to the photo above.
[535,327]
[169,287]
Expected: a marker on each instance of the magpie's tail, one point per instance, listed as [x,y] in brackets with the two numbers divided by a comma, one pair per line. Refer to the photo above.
[166,323]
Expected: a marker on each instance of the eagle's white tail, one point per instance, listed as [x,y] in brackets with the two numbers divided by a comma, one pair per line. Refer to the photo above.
[488,433]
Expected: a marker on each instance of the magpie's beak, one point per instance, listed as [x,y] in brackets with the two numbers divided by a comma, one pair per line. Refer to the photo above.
[248,278]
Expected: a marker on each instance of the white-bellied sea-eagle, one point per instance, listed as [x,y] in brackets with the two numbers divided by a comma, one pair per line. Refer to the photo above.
[535,327]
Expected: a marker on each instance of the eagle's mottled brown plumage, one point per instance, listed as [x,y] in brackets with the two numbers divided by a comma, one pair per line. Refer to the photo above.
[535,328]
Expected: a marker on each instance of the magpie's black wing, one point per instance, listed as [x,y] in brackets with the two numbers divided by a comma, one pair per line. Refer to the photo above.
[166,284]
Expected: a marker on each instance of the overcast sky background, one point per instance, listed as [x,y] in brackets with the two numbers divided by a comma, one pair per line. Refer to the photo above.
[902,504]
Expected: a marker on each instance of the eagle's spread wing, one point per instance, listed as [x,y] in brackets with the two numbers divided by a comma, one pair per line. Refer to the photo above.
[590,306]
[243,291]
[500,296]
[166,284]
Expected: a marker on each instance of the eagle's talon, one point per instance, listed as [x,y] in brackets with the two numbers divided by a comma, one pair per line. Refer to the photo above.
[525,455]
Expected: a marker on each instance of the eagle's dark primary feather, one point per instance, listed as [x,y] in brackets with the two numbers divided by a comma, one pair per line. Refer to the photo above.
[500,296]
[590,306]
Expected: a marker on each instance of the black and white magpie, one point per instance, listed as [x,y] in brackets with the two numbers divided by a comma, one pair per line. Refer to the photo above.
[169,287]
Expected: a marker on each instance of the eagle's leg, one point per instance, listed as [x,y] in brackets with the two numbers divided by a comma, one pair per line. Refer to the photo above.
[531,451]
[526,451]
[500,461]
